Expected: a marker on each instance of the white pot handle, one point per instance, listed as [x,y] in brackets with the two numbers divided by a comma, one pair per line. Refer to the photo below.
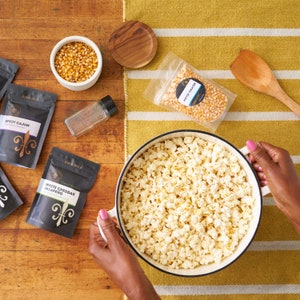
[265,189]
[112,214]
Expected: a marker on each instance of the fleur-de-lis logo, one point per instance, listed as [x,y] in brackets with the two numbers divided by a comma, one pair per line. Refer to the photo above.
[3,198]
[64,214]
[25,145]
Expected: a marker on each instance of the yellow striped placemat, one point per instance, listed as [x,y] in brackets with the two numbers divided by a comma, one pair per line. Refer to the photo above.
[209,35]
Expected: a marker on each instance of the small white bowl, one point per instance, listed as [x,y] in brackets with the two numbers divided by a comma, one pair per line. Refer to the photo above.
[76,86]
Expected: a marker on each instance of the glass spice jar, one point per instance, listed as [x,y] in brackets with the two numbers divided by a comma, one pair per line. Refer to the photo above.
[88,117]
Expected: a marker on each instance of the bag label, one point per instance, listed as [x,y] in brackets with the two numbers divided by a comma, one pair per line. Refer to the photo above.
[20,125]
[190,92]
[58,191]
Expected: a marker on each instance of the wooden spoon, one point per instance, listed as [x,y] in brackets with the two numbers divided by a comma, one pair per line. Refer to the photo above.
[253,71]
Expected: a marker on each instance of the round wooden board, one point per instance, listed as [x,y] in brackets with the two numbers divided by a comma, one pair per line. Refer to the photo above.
[133,44]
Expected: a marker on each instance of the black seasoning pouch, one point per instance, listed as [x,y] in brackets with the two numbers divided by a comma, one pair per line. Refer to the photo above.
[24,121]
[9,199]
[62,192]
[8,71]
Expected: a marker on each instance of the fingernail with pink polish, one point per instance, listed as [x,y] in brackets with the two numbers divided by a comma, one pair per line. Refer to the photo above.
[251,145]
[103,214]
[260,169]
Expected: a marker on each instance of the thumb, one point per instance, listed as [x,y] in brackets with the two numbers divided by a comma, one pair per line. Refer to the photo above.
[260,155]
[107,226]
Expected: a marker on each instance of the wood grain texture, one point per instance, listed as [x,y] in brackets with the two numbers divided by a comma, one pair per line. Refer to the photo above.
[133,44]
[251,70]
[36,264]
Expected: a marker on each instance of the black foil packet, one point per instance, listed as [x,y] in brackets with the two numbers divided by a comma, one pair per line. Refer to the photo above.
[9,199]
[62,192]
[8,71]
[24,121]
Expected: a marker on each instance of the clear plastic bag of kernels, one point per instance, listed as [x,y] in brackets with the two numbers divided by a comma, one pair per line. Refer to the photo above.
[179,87]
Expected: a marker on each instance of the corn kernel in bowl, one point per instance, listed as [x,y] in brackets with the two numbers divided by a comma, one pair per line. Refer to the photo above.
[76,62]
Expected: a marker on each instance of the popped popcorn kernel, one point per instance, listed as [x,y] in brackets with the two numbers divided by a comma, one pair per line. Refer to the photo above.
[186,202]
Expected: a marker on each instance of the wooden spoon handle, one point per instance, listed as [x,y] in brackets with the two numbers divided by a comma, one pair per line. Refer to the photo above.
[288,101]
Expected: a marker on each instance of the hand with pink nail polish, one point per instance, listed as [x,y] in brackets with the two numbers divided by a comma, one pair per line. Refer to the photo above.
[275,168]
[117,259]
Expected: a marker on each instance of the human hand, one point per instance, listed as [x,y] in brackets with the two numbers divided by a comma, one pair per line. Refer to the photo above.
[276,169]
[118,260]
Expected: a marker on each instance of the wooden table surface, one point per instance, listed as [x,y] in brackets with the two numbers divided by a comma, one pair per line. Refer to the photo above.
[36,264]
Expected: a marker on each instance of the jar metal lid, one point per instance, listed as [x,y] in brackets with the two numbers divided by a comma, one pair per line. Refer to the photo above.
[108,105]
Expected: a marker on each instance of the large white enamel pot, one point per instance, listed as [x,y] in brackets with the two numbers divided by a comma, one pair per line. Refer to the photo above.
[258,194]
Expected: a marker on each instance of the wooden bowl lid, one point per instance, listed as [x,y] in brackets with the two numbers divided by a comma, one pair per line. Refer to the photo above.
[133,44]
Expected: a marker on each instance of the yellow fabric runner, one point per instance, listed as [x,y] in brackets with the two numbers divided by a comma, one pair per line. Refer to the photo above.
[209,35]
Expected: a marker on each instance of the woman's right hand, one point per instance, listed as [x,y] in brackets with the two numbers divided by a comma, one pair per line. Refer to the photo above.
[276,169]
